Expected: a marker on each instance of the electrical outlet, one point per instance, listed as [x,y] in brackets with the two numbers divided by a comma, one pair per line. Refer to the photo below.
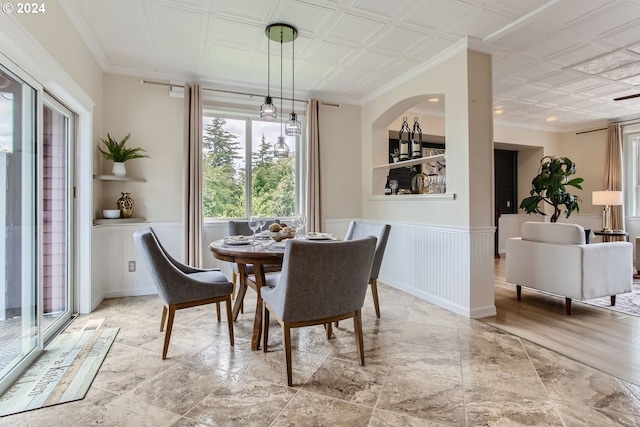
[132,266]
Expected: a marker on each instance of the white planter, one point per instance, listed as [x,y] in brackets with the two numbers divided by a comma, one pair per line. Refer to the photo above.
[118,169]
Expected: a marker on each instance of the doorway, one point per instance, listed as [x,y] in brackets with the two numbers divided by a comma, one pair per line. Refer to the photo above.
[36,177]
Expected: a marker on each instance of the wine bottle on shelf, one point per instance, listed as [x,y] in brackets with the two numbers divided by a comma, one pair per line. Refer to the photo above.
[387,189]
[416,140]
[403,138]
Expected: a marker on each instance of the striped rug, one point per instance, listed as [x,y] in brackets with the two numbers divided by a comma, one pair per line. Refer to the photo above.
[63,372]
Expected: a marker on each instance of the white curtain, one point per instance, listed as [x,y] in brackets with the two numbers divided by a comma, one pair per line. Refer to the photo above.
[192,210]
[314,214]
[613,172]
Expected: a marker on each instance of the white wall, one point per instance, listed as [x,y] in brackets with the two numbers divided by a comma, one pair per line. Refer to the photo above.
[341,178]
[155,121]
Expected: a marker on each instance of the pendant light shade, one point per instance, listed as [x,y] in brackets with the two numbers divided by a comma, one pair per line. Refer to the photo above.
[280,148]
[268,111]
[293,126]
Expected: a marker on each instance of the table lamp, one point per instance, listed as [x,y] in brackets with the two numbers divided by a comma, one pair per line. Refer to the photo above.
[606,199]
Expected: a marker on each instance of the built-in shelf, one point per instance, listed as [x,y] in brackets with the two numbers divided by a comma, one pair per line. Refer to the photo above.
[419,197]
[405,163]
[102,221]
[118,178]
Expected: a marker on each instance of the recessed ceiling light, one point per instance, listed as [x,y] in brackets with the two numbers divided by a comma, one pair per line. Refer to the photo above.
[551,119]
[434,99]
[498,110]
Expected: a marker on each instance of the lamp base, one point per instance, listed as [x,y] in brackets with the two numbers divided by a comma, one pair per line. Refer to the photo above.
[606,219]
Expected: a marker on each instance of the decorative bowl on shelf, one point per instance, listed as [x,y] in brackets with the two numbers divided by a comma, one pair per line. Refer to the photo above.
[111,213]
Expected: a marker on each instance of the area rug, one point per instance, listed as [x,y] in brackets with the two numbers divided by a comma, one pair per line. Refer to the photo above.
[628,303]
[63,372]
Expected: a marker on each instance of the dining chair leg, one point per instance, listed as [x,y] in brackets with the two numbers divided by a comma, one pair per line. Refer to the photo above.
[286,337]
[167,334]
[357,326]
[229,319]
[265,327]
[218,312]
[163,318]
[374,292]
[329,329]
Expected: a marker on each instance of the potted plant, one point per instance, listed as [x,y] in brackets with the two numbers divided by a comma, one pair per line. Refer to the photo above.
[550,186]
[119,153]
[395,155]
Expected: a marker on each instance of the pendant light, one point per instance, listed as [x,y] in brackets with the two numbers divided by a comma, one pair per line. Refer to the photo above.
[293,126]
[268,110]
[281,149]
[284,33]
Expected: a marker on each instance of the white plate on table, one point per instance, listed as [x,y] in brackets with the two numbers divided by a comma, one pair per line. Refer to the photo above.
[237,240]
[319,236]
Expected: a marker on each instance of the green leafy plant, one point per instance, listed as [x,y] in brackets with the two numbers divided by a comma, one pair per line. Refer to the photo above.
[116,150]
[550,186]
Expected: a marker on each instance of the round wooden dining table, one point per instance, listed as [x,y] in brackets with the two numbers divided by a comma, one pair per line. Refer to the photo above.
[258,254]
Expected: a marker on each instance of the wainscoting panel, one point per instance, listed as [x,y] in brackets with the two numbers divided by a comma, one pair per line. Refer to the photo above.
[451,267]
[448,266]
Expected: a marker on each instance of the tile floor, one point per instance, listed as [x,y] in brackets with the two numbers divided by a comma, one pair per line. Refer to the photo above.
[425,366]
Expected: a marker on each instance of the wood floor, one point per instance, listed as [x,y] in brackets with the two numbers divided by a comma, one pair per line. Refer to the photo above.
[601,338]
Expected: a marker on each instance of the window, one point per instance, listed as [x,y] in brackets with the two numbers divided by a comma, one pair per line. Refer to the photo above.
[631,147]
[238,155]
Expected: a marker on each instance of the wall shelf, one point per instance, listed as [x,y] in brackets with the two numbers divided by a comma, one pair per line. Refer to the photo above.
[412,162]
[113,221]
[118,178]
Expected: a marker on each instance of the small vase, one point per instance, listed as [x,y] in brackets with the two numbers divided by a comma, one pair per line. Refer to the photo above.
[125,204]
[118,169]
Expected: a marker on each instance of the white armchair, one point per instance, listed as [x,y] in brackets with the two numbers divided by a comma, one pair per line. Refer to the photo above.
[553,257]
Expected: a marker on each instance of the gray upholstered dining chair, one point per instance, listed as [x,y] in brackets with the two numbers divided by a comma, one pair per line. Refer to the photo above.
[320,283]
[358,230]
[237,228]
[181,286]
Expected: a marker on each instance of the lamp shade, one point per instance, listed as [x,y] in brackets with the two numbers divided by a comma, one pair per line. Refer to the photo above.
[606,198]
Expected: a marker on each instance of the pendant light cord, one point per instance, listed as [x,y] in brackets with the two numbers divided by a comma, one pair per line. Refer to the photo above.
[281,123]
[293,76]
[269,65]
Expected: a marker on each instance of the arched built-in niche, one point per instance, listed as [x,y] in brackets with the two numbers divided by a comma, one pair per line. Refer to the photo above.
[424,106]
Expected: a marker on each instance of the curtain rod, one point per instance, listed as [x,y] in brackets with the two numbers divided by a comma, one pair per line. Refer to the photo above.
[149,82]
[626,123]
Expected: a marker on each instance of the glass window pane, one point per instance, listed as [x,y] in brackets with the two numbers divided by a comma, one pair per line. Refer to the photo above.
[55,193]
[223,168]
[18,296]
[273,188]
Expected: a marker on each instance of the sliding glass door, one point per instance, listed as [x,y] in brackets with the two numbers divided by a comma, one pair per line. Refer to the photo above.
[19,327]
[36,183]
[57,206]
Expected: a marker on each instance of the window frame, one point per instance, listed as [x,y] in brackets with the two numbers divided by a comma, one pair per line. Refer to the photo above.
[631,156]
[249,116]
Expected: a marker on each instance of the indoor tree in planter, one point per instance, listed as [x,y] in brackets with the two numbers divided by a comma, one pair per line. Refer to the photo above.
[550,186]
[116,151]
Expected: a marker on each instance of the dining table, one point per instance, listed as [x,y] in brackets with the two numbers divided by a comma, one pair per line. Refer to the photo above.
[257,253]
